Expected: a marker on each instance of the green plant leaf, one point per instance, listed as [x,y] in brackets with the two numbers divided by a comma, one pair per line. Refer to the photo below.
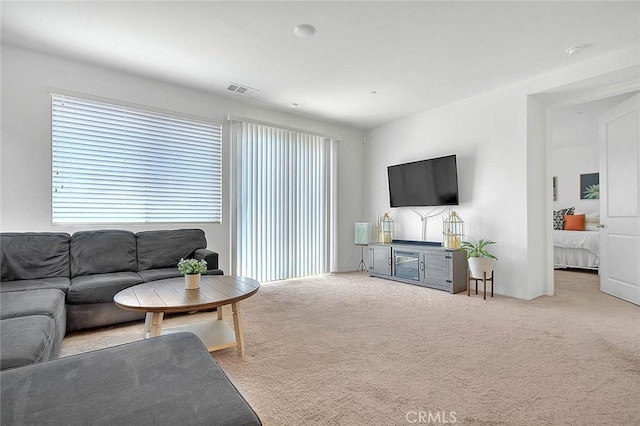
[592,192]
[192,266]
[478,249]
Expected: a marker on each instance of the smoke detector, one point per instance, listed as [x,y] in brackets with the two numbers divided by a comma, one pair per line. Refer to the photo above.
[304,30]
[243,90]
[574,50]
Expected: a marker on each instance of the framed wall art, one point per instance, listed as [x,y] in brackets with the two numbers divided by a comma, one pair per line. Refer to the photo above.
[590,186]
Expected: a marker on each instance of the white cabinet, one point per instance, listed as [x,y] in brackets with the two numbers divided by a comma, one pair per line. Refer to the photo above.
[420,264]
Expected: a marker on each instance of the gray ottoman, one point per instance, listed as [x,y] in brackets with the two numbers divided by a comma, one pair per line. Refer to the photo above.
[165,380]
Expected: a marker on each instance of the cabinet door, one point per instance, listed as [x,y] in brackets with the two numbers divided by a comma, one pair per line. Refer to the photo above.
[406,265]
[380,260]
[436,268]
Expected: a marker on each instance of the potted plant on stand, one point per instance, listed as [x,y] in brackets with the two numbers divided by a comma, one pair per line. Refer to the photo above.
[191,269]
[480,260]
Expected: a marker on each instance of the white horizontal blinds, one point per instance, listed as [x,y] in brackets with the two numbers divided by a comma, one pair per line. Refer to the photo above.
[282,202]
[116,164]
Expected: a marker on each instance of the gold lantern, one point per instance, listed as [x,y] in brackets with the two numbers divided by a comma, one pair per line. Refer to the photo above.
[386,225]
[452,232]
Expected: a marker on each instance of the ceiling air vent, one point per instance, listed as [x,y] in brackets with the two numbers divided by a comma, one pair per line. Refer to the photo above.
[243,90]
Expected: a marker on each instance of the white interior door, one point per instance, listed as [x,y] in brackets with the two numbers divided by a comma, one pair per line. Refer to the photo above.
[620,201]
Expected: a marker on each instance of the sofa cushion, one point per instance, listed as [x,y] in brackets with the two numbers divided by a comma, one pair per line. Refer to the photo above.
[166,380]
[164,273]
[101,287]
[90,315]
[102,252]
[164,249]
[59,283]
[158,274]
[26,340]
[30,255]
[49,302]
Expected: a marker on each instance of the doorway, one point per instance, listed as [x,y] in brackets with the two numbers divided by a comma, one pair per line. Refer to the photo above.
[574,165]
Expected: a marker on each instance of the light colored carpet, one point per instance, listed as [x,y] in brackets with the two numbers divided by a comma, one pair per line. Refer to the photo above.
[352,350]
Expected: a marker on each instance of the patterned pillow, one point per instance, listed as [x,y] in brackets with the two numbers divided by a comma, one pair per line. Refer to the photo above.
[558,217]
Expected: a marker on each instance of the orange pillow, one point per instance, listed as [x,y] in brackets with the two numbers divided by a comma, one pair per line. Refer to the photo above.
[574,222]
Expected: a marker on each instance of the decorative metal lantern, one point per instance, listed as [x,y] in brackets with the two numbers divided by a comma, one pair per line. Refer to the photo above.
[452,232]
[386,225]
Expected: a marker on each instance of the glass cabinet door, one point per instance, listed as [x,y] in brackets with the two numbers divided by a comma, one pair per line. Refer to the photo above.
[406,265]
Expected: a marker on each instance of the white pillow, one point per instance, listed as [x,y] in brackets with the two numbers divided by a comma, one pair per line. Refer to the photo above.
[591,221]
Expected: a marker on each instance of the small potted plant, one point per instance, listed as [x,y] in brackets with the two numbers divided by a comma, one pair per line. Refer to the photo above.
[191,269]
[480,260]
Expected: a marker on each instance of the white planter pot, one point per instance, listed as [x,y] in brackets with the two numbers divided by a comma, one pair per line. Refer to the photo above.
[192,281]
[479,265]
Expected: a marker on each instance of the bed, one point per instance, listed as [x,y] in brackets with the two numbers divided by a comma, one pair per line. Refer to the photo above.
[576,249]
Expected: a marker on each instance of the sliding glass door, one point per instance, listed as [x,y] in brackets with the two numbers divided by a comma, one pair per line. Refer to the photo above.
[283,200]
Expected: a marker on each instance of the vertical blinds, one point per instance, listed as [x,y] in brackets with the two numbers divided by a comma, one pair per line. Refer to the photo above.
[116,164]
[283,202]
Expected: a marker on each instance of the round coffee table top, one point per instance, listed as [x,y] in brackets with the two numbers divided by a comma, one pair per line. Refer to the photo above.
[169,295]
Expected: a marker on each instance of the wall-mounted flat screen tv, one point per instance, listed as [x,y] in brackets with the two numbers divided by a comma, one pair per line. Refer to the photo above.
[432,182]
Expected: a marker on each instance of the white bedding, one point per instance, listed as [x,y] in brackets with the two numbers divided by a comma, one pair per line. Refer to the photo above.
[576,249]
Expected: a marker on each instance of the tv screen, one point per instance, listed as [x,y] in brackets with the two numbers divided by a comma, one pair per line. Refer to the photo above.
[432,182]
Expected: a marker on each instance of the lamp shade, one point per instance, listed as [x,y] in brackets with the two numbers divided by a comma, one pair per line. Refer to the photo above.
[362,233]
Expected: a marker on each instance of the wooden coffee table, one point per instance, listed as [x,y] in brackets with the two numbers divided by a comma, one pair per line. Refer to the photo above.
[169,296]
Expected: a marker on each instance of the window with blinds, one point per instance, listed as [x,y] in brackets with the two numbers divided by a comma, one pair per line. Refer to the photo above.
[117,164]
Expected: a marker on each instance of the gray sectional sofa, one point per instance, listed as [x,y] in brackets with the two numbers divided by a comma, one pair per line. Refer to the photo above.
[51,283]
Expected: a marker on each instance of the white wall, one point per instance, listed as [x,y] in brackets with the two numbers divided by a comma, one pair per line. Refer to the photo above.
[25,151]
[499,138]
[491,171]
[568,164]
[574,138]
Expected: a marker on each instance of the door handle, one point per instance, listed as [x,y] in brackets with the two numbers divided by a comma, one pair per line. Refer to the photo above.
[601,225]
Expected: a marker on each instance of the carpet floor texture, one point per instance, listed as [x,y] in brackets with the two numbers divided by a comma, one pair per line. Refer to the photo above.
[347,349]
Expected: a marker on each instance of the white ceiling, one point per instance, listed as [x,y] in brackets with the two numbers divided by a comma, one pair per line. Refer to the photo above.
[415,55]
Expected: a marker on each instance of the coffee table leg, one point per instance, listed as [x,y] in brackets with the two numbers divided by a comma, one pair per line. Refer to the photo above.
[237,325]
[147,321]
[153,324]
[219,311]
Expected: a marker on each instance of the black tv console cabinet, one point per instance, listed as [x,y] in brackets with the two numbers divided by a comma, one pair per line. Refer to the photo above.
[419,263]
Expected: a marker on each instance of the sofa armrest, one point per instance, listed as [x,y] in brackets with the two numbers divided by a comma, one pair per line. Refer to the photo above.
[211,257]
